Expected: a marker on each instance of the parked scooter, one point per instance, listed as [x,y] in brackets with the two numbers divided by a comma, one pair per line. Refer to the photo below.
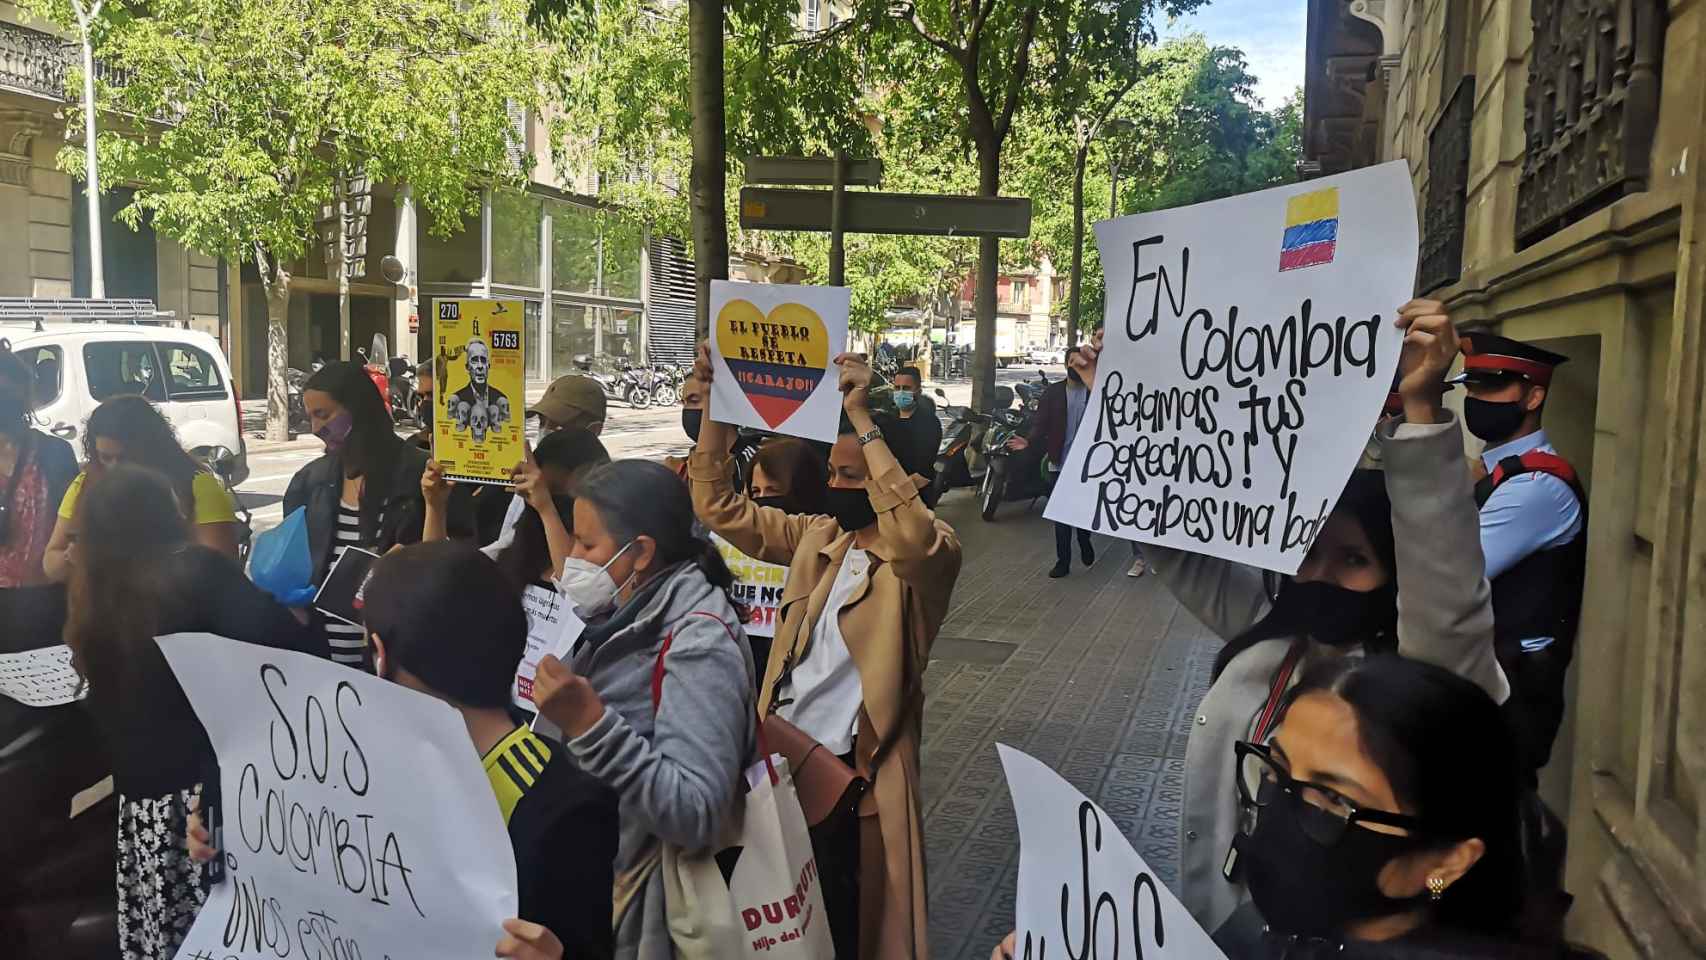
[1013,475]
[960,462]
[293,381]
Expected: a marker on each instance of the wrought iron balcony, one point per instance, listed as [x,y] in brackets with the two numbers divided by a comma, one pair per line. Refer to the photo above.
[39,63]
[33,61]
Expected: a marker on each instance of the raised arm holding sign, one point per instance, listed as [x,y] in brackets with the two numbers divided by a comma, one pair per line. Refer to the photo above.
[1248,346]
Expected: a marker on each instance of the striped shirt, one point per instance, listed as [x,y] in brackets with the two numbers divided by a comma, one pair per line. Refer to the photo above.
[347,640]
[514,766]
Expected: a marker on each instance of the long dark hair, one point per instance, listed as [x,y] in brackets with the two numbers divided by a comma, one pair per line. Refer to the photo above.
[1450,756]
[529,553]
[573,451]
[639,497]
[800,468]
[17,383]
[148,440]
[373,442]
[127,520]
[1365,500]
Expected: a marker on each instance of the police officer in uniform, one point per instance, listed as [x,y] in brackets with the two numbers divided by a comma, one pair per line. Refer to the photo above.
[1533,531]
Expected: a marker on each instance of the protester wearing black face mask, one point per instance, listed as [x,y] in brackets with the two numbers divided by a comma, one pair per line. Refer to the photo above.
[866,592]
[1533,531]
[1419,532]
[1381,823]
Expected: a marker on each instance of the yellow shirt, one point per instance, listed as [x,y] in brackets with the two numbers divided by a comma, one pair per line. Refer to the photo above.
[212,502]
[514,765]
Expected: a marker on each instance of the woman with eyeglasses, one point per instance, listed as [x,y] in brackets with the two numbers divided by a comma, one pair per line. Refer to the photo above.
[1411,530]
[1380,822]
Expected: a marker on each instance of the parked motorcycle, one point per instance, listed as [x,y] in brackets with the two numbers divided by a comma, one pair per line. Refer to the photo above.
[613,385]
[293,381]
[635,386]
[960,462]
[1011,474]
[404,404]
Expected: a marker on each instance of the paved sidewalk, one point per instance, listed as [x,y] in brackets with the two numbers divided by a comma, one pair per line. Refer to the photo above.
[1096,675]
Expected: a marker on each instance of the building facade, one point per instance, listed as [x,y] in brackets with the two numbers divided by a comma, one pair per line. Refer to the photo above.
[1556,148]
[594,286]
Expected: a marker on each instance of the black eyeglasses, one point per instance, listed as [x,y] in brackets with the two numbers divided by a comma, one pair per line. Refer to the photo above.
[1325,813]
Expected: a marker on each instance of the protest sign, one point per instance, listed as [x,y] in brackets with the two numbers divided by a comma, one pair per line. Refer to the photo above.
[331,847]
[40,678]
[772,345]
[1083,890]
[480,400]
[552,628]
[758,585]
[341,596]
[1249,348]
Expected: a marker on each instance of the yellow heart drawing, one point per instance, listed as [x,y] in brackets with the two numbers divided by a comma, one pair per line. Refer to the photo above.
[777,359]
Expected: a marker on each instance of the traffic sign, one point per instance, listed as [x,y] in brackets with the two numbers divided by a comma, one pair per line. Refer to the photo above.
[769,208]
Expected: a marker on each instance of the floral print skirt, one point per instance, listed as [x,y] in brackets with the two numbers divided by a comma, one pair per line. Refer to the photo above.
[160,888]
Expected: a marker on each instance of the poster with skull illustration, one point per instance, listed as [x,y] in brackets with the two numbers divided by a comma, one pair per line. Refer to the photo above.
[479,365]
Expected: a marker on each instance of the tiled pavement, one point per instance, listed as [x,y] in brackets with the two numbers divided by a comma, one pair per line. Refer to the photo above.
[1096,675]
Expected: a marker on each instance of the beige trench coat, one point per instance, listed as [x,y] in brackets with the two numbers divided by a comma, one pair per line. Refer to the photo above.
[889,626]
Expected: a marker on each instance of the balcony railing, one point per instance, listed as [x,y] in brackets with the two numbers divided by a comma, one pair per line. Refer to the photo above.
[38,63]
[33,61]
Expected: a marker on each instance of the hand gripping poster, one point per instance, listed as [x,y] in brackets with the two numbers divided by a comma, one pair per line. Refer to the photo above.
[479,401]
[352,815]
[1248,350]
[773,346]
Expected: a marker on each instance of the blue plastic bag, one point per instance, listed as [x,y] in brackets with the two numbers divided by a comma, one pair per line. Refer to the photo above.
[280,564]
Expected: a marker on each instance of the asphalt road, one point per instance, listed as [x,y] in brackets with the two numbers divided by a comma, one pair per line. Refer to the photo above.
[651,432]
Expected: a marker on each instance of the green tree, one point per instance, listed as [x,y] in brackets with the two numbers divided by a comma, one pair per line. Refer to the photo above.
[264,104]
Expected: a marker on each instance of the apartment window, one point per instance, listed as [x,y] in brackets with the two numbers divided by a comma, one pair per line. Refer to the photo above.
[813,14]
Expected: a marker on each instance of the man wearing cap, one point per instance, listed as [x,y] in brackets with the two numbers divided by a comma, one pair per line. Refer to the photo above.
[1533,531]
[572,401]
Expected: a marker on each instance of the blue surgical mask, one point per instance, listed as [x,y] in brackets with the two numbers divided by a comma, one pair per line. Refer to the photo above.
[904,399]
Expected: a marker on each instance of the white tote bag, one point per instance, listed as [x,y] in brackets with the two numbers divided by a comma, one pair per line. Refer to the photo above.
[774,887]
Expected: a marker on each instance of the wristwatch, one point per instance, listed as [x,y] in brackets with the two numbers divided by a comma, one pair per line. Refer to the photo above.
[870,436]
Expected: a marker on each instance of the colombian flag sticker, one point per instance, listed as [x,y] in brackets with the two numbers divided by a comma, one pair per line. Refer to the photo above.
[1311,229]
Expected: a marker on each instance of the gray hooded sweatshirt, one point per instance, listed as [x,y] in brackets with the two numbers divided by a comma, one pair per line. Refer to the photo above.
[678,768]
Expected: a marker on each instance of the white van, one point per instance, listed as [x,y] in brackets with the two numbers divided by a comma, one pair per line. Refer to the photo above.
[182,372]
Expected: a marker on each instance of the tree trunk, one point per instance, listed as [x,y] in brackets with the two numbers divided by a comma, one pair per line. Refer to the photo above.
[710,223]
[275,282]
[988,271]
[1077,245]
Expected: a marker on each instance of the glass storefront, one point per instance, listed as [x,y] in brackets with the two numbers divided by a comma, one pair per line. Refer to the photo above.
[573,333]
[452,259]
[623,242]
[515,238]
[574,248]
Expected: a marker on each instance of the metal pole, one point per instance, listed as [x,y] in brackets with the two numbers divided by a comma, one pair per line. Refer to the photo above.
[1113,188]
[91,170]
[343,269]
[837,216]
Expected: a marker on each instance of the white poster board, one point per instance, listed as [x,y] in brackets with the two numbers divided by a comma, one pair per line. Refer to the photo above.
[1249,348]
[552,628]
[40,678]
[758,585]
[356,817]
[1083,890]
[773,347]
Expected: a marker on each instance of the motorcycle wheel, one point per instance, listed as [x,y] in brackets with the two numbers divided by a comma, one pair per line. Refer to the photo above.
[939,483]
[994,483]
[642,398]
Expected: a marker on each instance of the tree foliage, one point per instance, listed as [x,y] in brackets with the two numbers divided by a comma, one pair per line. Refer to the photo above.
[262,104]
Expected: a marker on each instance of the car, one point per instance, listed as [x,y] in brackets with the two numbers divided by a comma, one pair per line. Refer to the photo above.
[183,372]
[1055,357]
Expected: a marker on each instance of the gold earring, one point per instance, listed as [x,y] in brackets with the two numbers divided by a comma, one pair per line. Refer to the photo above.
[1436,887]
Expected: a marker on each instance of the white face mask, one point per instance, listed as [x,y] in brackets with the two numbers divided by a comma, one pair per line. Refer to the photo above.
[589,586]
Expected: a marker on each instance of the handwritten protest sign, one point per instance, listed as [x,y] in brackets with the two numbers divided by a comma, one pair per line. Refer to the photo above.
[1248,350]
[772,345]
[40,678]
[1083,890]
[552,628]
[757,584]
[480,402]
[332,847]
